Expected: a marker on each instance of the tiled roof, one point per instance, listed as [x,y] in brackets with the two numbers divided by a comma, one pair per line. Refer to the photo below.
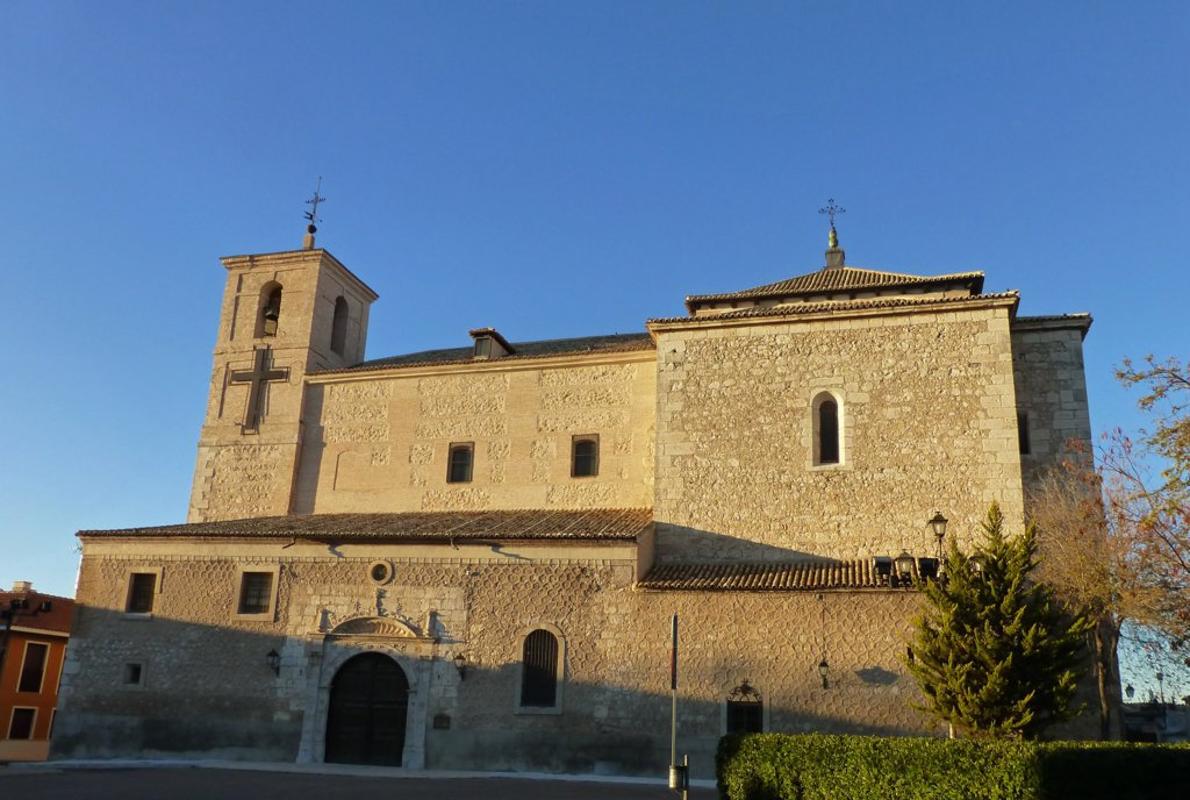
[58,618]
[841,279]
[445,526]
[794,309]
[545,348]
[765,577]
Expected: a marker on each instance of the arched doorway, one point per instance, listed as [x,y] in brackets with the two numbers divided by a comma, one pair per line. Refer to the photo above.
[365,722]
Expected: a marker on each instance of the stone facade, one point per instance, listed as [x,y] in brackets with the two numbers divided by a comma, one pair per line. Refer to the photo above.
[714,422]
[211,693]
[928,422]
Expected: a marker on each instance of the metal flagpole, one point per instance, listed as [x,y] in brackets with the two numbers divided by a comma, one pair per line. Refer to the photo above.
[679,774]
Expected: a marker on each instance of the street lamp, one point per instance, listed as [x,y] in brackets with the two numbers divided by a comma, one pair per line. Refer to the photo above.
[938,524]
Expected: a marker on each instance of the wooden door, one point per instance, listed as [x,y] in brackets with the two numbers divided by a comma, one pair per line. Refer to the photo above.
[366,719]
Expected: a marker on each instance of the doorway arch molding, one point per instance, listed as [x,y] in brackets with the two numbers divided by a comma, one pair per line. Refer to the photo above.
[335,650]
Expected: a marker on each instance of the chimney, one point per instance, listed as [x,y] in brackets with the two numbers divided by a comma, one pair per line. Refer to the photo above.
[22,587]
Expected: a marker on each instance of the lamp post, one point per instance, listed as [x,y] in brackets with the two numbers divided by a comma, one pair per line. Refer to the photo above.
[938,524]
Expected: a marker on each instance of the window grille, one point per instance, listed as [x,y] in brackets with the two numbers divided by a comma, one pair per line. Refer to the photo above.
[140,593]
[256,589]
[539,670]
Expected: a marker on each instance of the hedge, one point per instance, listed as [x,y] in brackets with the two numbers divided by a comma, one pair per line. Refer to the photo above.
[827,767]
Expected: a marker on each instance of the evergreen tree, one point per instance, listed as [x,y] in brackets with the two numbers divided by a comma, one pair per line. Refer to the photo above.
[993,653]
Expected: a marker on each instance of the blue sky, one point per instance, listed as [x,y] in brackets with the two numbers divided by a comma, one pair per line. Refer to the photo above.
[549,169]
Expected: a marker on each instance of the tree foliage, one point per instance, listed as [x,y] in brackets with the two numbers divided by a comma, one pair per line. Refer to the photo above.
[1117,537]
[994,653]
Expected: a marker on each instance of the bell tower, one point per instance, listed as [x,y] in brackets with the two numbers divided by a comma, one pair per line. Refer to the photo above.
[283,315]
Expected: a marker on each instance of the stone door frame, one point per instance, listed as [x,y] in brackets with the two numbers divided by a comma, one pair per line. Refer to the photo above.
[332,654]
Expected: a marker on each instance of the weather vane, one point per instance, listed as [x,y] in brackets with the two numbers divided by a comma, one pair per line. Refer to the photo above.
[312,214]
[832,210]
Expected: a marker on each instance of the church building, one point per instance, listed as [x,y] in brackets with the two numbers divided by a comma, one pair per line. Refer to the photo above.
[468,558]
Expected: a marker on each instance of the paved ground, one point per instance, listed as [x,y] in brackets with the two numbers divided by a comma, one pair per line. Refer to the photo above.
[190,783]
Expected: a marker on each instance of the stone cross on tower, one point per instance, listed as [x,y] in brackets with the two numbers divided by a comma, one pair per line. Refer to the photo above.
[258,379]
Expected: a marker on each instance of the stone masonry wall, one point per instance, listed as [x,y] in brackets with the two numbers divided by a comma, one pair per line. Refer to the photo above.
[927,408]
[381,444]
[208,691]
[1052,391]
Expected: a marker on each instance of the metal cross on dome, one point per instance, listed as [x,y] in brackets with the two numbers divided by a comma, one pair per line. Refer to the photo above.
[832,210]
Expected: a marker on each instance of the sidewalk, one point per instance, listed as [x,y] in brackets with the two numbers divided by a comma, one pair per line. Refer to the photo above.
[353,770]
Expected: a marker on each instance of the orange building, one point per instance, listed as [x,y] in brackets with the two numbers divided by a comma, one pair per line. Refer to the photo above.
[34,629]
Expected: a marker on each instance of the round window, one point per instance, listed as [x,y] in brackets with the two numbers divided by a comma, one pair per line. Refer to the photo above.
[380,572]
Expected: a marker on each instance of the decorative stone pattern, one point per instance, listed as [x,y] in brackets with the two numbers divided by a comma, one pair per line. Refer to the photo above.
[358,412]
[928,419]
[208,686]
[239,481]
[520,419]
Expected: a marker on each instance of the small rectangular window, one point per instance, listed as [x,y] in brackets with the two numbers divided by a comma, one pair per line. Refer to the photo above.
[459,463]
[256,592]
[141,588]
[33,669]
[584,456]
[132,674]
[483,347]
[1022,429]
[21,726]
[745,716]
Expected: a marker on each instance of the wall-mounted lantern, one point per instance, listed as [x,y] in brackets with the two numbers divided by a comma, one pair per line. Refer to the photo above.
[461,665]
[273,659]
[904,563]
[823,669]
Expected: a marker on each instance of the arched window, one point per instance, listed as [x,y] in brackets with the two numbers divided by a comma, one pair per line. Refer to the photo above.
[460,457]
[539,670]
[828,443]
[584,456]
[339,327]
[270,310]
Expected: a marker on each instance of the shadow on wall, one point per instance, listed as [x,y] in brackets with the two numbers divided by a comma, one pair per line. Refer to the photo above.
[683,544]
[159,688]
